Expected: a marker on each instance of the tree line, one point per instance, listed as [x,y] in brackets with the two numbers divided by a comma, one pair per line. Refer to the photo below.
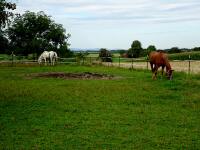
[136,51]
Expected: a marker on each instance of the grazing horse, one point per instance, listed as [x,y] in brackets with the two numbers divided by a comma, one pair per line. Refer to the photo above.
[51,56]
[157,59]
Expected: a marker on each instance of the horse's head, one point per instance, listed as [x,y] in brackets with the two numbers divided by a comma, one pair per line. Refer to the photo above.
[170,74]
[39,60]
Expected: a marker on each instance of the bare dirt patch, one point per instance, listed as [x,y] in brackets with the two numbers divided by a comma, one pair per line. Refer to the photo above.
[84,75]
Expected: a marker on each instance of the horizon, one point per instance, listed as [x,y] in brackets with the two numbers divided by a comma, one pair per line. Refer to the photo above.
[111,24]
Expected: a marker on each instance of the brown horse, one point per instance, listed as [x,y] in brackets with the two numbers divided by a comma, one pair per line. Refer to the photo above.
[159,59]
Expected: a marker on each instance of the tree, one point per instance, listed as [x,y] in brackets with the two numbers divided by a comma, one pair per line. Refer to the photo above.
[105,55]
[122,52]
[196,49]
[150,48]
[64,51]
[3,43]
[5,14]
[36,32]
[174,50]
[135,50]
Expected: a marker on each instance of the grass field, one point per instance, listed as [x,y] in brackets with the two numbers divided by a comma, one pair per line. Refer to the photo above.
[130,112]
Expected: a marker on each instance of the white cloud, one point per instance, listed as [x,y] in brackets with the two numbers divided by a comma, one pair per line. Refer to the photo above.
[128,17]
[136,11]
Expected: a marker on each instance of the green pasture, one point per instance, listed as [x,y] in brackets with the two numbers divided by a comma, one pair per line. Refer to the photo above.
[93,54]
[129,112]
[4,57]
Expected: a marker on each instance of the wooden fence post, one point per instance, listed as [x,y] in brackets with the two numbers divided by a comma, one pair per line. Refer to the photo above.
[119,61]
[76,60]
[83,60]
[189,65]
[147,58]
[12,58]
[132,64]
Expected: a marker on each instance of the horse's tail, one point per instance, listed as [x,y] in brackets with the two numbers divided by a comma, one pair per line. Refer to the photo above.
[56,56]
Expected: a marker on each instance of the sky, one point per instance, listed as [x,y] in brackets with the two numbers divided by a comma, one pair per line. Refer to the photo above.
[115,24]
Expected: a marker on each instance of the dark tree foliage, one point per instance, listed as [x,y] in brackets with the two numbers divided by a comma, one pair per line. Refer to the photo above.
[3,43]
[150,48]
[135,50]
[174,50]
[196,49]
[82,55]
[36,32]
[122,52]
[5,14]
[105,55]
[64,51]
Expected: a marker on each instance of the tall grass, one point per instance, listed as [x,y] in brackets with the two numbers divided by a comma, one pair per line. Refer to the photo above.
[131,112]
[195,55]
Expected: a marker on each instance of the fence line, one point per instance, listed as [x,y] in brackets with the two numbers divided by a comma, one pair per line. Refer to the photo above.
[114,61]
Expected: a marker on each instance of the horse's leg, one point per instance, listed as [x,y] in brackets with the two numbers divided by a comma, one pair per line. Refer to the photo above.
[162,70]
[151,66]
[52,61]
[45,61]
[152,69]
[155,71]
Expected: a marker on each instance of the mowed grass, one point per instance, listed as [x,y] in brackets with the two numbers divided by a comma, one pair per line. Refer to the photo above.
[131,112]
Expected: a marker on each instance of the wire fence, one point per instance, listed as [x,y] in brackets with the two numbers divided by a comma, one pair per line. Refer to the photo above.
[189,66]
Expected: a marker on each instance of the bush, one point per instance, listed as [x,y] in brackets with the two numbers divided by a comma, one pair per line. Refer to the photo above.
[105,55]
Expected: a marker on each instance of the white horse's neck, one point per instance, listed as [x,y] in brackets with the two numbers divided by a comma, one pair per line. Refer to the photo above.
[40,59]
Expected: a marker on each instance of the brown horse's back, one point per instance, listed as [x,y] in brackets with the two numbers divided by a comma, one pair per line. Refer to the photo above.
[159,58]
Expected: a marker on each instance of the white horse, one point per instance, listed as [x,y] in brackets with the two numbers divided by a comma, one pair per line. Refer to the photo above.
[51,56]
